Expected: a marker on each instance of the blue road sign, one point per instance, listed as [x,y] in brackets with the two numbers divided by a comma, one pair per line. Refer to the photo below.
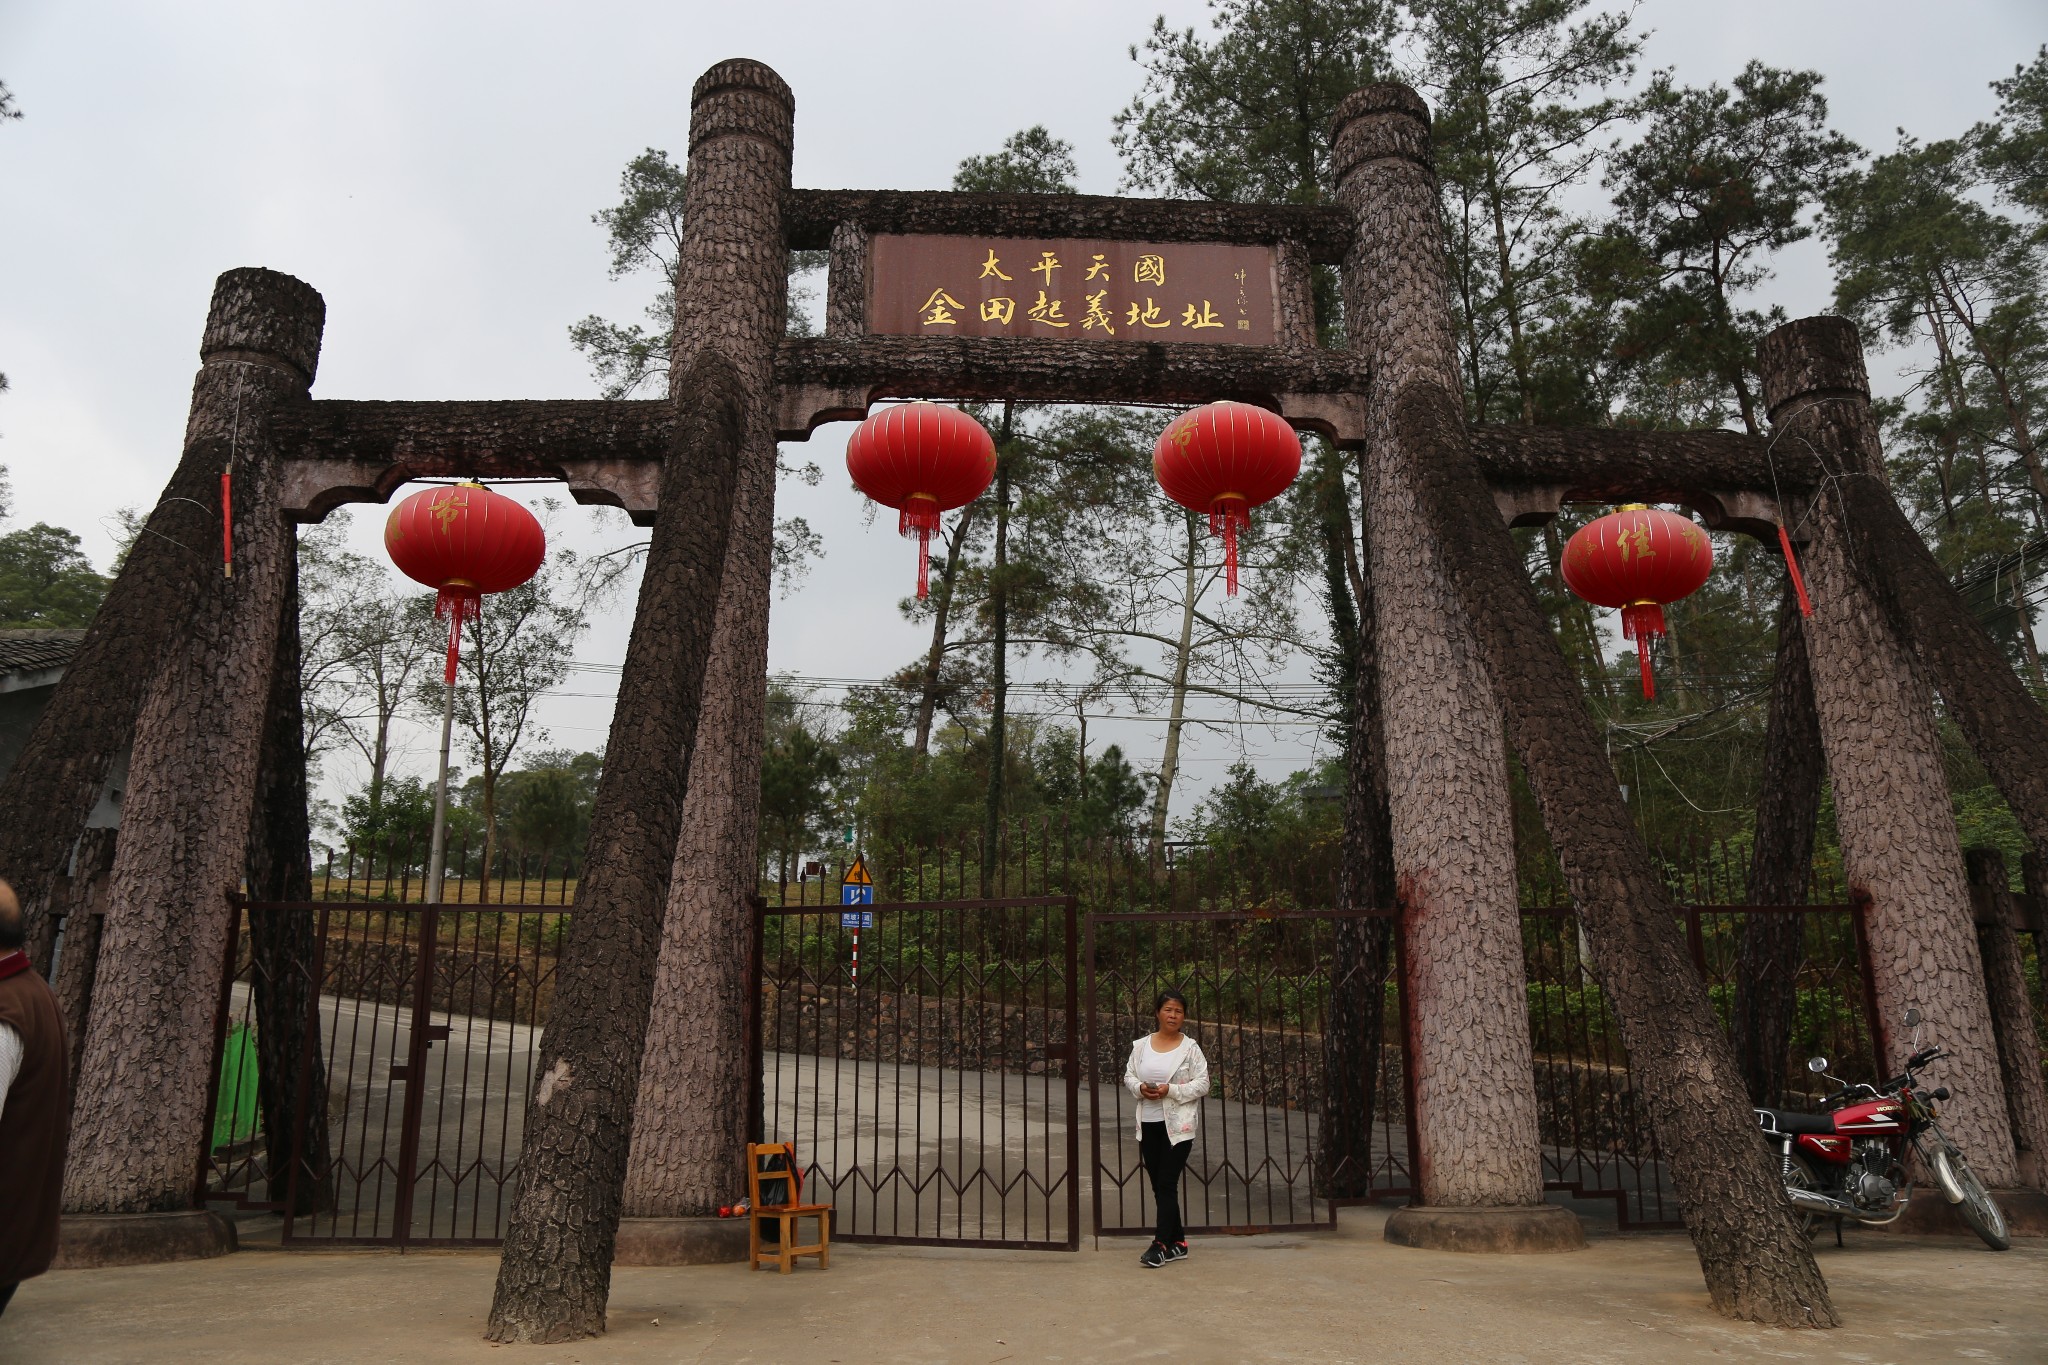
[857,895]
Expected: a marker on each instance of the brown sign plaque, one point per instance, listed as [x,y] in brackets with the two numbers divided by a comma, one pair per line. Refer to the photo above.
[1090,290]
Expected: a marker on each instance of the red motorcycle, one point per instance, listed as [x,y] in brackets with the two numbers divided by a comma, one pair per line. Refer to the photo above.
[1850,1160]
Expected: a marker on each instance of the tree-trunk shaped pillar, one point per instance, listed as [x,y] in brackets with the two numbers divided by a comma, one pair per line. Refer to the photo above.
[192,778]
[2012,1013]
[1877,726]
[689,1129]
[1477,1165]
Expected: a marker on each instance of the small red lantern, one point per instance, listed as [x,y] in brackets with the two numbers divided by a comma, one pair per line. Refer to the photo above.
[1638,559]
[921,459]
[1225,459]
[463,542]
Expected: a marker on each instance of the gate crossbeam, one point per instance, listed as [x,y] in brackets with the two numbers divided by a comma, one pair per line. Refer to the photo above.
[609,452]
[811,217]
[825,379]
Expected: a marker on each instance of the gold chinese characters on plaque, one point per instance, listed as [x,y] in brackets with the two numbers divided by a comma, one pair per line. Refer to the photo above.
[1090,290]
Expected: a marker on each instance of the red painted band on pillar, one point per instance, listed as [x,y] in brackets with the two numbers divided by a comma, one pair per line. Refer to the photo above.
[1792,566]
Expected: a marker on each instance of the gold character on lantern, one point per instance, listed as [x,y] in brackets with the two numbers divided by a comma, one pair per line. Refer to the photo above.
[998,310]
[449,508]
[1149,270]
[1198,319]
[992,266]
[938,308]
[1046,311]
[1047,263]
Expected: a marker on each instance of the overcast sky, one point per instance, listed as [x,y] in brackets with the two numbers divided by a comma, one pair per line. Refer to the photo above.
[432,168]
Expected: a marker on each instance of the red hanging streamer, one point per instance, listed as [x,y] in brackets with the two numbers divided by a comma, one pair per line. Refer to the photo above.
[919,517]
[1792,566]
[227,524]
[1641,622]
[456,606]
[1227,517]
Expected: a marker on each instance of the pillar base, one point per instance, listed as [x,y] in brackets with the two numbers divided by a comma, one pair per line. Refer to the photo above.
[681,1241]
[1516,1229]
[1929,1214]
[89,1241]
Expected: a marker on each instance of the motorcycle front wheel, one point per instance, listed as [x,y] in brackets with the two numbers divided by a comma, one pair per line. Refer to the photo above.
[1971,1199]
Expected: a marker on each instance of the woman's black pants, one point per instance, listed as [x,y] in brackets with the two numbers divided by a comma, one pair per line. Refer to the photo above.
[1164,1161]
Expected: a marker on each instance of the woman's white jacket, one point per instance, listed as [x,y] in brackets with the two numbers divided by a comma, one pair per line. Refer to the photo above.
[1184,1091]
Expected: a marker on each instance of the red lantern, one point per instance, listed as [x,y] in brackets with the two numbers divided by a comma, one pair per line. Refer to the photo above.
[921,459]
[463,542]
[1225,459]
[1638,559]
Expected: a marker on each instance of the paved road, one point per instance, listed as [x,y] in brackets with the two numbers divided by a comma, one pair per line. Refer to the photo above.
[1286,1297]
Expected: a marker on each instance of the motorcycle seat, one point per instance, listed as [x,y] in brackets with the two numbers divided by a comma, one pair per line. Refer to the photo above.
[1787,1121]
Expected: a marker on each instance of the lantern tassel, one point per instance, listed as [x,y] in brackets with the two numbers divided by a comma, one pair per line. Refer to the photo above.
[1227,517]
[227,524]
[455,608]
[1642,622]
[1792,566]
[919,516]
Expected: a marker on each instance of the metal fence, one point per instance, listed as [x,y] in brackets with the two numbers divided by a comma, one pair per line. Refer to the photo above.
[921,1057]
[1298,1014]
[375,1065]
[375,1054]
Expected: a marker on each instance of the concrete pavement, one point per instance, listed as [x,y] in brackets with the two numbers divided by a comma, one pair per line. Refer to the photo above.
[1342,1296]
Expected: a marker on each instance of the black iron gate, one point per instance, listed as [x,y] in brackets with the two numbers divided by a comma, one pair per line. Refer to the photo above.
[375,1065]
[1281,1003]
[930,1082]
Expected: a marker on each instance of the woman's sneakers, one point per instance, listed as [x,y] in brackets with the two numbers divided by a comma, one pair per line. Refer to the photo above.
[1159,1253]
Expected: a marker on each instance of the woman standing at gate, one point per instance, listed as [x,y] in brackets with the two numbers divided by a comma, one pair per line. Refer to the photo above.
[1167,1075]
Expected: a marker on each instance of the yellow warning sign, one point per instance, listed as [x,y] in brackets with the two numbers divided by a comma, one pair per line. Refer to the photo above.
[857,875]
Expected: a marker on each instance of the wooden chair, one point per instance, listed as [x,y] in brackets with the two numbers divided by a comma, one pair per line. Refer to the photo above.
[786,1181]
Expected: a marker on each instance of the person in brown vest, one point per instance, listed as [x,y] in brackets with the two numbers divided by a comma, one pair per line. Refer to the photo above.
[35,1108]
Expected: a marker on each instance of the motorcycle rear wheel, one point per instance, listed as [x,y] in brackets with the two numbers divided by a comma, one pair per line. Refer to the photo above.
[1971,1199]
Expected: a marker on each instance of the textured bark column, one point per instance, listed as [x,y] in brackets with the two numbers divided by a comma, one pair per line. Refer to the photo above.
[1780,866]
[1757,1264]
[2012,1013]
[1360,953]
[1877,725]
[80,959]
[281,944]
[1454,856]
[554,1277]
[731,293]
[192,775]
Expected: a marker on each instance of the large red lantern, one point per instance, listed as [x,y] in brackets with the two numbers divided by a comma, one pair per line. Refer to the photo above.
[1638,559]
[1225,459]
[921,459]
[463,542]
